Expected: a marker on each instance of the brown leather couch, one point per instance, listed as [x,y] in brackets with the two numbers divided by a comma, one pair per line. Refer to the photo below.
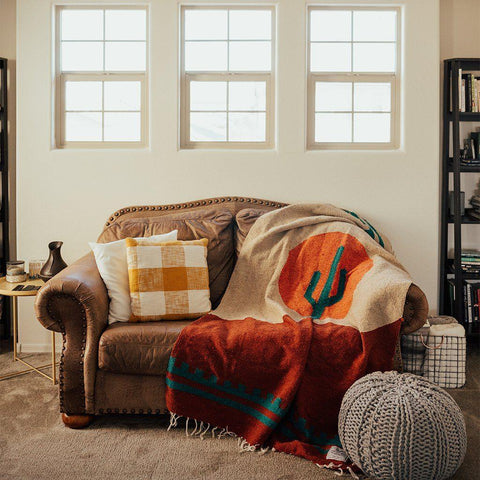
[120,368]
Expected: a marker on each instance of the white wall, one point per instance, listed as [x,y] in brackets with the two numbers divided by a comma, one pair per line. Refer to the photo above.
[68,194]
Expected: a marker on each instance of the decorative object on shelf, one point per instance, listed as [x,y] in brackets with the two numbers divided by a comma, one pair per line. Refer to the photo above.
[16,271]
[451,199]
[475,202]
[467,149]
[55,262]
[34,268]
[415,431]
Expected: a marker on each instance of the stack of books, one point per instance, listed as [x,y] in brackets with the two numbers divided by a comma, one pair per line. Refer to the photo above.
[471,288]
[471,300]
[469,92]
[475,210]
[471,261]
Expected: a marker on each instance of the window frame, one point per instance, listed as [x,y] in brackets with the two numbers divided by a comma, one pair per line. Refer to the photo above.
[394,78]
[185,78]
[99,76]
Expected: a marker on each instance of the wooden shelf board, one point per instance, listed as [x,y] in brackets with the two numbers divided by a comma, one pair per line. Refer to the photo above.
[464,168]
[465,275]
[466,116]
[469,64]
[465,219]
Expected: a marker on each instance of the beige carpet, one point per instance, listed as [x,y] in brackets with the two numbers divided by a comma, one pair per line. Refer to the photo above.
[34,444]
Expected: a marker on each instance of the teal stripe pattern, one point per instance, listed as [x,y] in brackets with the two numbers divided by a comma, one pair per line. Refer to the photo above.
[223,401]
[318,441]
[369,228]
[269,402]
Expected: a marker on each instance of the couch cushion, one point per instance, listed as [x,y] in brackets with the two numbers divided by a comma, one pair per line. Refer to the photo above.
[214,223]
[138,348]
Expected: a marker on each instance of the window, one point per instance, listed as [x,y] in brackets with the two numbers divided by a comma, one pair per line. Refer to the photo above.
[101,76]
[353,78]
[227,84]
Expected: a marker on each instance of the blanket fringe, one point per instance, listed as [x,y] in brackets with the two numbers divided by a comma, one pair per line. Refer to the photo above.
[339,471]
[200,429]
[173,420]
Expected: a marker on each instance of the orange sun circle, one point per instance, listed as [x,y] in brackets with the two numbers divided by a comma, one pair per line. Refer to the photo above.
[321,274]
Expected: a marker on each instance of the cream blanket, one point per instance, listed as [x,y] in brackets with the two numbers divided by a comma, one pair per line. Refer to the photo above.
[374,294]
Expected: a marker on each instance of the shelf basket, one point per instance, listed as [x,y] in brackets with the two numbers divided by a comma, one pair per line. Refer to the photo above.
[437,351]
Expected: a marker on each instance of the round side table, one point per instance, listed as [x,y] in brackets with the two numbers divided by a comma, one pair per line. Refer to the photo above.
[6,288]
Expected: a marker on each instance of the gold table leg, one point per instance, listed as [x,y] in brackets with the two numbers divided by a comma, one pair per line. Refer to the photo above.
[16,358]
[15,326]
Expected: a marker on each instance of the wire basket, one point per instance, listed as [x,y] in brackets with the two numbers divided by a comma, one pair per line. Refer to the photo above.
[437,351]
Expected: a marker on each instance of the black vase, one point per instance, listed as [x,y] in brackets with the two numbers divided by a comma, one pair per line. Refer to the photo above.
[55,262]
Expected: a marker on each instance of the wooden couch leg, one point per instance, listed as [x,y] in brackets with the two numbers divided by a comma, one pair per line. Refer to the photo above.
[77,421]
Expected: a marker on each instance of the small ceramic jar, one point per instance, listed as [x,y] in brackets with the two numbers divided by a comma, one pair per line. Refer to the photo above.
[16,271]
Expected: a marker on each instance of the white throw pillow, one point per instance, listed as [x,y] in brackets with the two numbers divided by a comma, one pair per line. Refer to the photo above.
[112,264]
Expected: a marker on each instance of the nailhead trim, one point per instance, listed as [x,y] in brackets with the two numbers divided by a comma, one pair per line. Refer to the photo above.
[180,206]
[132,411]
[61,375]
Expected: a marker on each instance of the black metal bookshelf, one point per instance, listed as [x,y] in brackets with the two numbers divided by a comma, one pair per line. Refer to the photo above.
[452,118]
[4,217]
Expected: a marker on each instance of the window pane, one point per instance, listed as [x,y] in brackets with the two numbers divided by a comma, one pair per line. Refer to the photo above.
[83,127]
[125,56]
[81,25]
[206,25]
[122,127]
[208,127]
[83,96]
[81,56]
[375,26]
[333,96]
[333,127]
[246,127]
[122,96]
[125,24]
[208,96]
[330,57]
[247,96]
[372,127]
[372,97]
[206,56]
[250,56]
[250,25]
[374,57]
[330,25]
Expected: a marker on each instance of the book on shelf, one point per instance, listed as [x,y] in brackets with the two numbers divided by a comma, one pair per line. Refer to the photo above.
[469,262]
[471,300]
[468,92]
[470,252]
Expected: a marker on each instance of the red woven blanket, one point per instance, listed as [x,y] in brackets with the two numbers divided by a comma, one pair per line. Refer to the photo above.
[276,377]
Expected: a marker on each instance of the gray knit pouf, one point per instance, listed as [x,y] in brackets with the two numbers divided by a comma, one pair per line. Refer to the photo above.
[402,427]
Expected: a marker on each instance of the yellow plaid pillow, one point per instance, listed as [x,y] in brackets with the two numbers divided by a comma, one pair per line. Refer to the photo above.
[168,280]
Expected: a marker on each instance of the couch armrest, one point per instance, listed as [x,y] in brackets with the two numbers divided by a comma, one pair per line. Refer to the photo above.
[415,312]
[75,303]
